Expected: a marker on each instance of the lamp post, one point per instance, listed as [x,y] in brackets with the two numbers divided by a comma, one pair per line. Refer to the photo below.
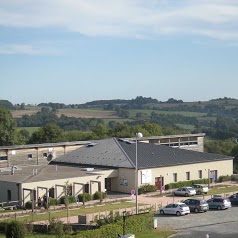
[138,135]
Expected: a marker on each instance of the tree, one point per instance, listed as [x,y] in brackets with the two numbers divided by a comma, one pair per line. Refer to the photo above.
[7,127]
[50,133]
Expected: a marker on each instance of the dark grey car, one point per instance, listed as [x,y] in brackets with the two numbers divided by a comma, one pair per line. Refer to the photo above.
[197,204]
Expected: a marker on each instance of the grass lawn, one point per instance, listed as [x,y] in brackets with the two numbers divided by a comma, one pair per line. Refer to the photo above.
[155,234]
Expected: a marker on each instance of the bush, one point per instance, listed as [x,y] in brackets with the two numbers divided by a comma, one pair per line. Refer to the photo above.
[56,227]
[87,197]
[28,205]
[98,195]
[147,188]
[224,178]
[15,229]
[234,177]
[71,199]
[53,201]
[3,225]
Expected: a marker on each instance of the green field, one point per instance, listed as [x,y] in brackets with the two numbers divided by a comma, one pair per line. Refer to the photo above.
[30,129]
[183,113]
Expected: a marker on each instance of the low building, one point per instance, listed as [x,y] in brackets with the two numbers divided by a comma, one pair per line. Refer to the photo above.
[110,165]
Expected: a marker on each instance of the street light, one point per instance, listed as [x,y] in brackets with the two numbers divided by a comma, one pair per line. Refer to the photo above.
[138,135]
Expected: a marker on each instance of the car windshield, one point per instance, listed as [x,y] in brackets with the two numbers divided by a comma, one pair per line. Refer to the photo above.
[190,189]
[203,202]
[182,205]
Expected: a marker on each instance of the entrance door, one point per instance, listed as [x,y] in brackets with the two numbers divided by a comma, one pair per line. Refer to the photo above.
[159,182]
[108,184]
[213,176]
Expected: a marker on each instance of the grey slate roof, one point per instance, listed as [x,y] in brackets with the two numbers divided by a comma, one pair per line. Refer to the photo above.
[106,152]
[115,152]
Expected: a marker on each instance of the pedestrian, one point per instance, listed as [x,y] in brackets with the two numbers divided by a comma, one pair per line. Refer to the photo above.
[39,202]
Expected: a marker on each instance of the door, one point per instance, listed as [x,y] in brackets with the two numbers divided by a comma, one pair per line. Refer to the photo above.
[159,182]
[108,184]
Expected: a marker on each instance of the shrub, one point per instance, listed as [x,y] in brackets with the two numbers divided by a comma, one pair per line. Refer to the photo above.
[147,188]
[28,205]
[71,199]
[15,229]
[234,177]
[53,201]
[224,178]
[98,195]
[87,197]
[3,225]
[56,227]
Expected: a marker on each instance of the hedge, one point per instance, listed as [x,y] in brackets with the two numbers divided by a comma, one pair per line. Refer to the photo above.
[147,188]
[133,224]
[189,183]
[224,178]
[15,229]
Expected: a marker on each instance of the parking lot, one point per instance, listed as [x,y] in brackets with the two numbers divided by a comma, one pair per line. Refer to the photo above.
[215,223]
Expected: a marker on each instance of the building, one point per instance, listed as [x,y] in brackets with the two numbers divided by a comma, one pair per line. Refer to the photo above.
[109,165]
[40,154]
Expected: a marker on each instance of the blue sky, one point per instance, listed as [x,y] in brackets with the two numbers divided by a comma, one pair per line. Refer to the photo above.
[75,51]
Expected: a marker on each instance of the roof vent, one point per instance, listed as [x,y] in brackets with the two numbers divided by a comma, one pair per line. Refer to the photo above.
[88,169]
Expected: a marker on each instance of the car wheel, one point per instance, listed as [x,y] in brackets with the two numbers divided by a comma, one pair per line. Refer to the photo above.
[196,210]
[161,212]
[178,213]
[186,195]
[219,208]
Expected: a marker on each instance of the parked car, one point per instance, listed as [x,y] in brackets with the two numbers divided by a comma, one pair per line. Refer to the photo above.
[197,204]
[177,208]
[233,199]
[184,191]
[201,188]
[219,203]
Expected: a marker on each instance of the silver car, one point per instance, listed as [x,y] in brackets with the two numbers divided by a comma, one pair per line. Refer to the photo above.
[177,208]
[219,203]
[184,191]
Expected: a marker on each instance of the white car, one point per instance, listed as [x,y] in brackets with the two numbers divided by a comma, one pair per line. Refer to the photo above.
[177,208]
[184,191]
[201,188]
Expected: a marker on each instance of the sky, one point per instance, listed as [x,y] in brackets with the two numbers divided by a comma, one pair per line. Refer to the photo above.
[76,51]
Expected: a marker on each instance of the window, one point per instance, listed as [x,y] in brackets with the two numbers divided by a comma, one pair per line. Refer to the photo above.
[9,195]
[45,155]
[29,156]
[175,177]
[3,157]
[200,174]
[187,175]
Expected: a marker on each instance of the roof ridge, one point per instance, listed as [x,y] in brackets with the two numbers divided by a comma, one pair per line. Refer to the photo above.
[123,151]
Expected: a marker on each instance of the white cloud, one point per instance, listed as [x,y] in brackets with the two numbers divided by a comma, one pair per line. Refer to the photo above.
[9,49]
[126,18]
